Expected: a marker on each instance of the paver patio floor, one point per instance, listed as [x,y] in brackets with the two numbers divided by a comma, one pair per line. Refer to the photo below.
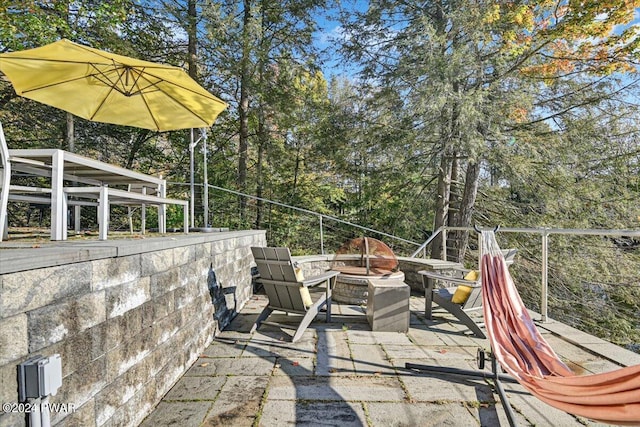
[343,374]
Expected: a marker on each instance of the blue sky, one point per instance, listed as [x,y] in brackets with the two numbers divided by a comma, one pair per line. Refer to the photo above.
[330,29]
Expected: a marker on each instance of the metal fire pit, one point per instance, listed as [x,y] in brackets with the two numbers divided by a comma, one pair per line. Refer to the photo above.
[359,260]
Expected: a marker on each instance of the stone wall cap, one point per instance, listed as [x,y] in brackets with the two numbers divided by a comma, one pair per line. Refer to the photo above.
[21,256]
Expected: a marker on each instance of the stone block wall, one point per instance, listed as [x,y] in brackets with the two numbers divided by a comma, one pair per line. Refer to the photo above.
[316,264]
[126,326]
[410,268]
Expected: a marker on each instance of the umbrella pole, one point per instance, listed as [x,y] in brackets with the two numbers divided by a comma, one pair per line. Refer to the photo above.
[192,184]
[205,196]
[205,199]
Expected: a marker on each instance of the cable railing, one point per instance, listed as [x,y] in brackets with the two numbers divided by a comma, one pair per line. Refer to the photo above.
[585,278]
[322,232]
[544,233]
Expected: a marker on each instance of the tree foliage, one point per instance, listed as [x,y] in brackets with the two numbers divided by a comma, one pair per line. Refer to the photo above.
[476,75]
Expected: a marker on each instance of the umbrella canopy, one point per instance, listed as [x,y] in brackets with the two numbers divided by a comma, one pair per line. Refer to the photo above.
[105,87]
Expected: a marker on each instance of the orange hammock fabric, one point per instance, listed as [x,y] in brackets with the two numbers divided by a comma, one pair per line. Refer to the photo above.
[610,397]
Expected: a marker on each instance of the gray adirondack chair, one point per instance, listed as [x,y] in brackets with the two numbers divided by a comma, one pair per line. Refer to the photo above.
[443,296]
[278,277]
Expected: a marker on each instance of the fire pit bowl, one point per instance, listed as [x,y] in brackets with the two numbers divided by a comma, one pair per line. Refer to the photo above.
[359,260]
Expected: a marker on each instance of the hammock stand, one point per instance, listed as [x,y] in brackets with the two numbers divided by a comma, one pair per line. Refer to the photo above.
[494,375]
[611,397]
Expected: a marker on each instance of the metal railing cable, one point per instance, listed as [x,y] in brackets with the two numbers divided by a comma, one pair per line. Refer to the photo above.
[321,218]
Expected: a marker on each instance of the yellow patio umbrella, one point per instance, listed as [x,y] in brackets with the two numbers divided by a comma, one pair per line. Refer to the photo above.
[105,87]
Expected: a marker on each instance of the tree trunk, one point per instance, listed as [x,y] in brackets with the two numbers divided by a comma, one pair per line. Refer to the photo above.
[455,190]
[263,136]
[259,187]
[136,144]
[442,204]
[192,42]
[192,70]
[263,140]
[71,136]
[296,173]
[464,217]
[455,200]
[243,109]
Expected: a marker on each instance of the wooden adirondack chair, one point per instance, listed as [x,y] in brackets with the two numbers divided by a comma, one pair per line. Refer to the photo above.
[454,298]
[288,291]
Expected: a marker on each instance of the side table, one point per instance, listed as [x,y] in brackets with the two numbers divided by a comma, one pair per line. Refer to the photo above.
[388,305]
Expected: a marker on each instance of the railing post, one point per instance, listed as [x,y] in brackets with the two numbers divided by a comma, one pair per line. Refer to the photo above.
[480,250]
[321,236]
[205,198]
[444,244]
[544,297]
